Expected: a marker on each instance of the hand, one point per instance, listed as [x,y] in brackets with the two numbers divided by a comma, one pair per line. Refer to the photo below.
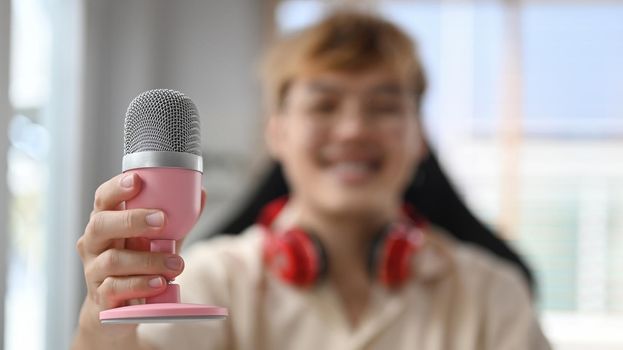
[118,266]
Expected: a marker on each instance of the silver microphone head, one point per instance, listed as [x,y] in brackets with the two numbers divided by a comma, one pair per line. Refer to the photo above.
[162,130]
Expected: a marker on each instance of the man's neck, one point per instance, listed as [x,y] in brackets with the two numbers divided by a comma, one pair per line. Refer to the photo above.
[347,239]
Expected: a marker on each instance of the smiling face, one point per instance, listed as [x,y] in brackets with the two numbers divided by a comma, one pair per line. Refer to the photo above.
[348,142]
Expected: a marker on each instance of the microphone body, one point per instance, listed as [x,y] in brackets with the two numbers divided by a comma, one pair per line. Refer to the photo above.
[175,191]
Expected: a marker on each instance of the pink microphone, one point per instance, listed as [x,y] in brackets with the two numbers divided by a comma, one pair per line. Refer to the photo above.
[162,146]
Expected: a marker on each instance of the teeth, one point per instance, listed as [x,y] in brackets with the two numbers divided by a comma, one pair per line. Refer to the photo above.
[352,167]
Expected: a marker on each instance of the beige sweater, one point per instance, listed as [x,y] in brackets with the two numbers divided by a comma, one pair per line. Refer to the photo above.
[462,298]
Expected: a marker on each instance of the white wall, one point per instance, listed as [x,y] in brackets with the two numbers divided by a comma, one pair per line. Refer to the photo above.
[206,49]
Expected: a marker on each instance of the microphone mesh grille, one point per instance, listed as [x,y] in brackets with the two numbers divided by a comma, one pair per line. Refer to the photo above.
[162,120]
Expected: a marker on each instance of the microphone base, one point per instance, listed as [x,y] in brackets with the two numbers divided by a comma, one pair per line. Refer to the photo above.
[162,313]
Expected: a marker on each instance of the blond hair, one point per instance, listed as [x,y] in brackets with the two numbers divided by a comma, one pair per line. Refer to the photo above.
[345,41]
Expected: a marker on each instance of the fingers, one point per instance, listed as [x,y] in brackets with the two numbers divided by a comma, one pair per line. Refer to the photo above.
[105,226]
[114,291]
[115,191]
[122,262]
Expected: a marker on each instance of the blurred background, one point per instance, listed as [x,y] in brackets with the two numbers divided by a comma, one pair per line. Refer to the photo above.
[525,110]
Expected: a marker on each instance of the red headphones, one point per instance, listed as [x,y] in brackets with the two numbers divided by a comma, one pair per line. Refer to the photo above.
[299,258]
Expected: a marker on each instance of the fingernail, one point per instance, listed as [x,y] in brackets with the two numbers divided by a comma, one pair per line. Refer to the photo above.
[127,181]
[155,282]
[155,219]
[174,263]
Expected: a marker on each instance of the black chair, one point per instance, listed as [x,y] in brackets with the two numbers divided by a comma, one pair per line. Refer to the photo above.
[430,192]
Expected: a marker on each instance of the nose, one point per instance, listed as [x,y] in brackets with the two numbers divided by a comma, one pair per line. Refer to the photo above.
[352,123]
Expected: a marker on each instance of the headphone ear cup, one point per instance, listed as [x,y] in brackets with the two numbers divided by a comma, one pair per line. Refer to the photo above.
[296,257]
[278,257]
[394,253]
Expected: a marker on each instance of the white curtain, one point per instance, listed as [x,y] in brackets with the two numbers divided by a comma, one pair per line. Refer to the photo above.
[5,23]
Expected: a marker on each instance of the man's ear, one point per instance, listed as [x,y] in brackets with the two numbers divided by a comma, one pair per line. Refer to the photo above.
[273,135]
